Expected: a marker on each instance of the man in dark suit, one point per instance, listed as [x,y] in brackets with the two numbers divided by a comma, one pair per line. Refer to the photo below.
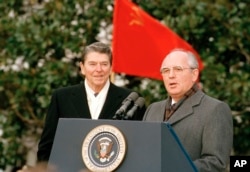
[203,124]
[95,98]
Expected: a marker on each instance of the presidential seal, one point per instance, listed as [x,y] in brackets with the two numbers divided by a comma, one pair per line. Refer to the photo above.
[103,149]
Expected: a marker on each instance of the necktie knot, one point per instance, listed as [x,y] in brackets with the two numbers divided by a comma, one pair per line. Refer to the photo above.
[173,106]
[169,112]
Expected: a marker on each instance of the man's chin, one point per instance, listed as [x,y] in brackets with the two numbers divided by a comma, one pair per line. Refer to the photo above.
[173,92]
[99,82]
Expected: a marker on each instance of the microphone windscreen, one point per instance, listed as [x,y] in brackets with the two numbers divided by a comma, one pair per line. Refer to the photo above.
[133,96]
[140,102]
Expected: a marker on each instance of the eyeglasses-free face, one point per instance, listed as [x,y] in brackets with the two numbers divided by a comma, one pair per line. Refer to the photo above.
[96,69]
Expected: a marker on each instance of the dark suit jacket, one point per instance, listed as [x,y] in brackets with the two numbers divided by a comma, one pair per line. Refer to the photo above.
[71,102]
[205,128]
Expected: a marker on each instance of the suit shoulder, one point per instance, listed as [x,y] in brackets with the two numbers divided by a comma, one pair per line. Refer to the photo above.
[214,102]
[118,89]
[159,103]
[68,89]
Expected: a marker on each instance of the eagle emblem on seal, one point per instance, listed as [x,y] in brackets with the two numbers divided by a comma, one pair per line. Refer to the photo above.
[104,149]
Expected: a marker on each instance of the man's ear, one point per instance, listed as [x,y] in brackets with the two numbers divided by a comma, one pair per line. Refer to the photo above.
[82,68]
[195,73]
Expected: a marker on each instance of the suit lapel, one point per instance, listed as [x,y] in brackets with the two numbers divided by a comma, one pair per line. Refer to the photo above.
[79,101]
[162,109]
[110,100]
[186,108]
[112,103]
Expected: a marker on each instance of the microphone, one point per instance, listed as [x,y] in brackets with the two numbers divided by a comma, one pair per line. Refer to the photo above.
[125,104]
[139,103]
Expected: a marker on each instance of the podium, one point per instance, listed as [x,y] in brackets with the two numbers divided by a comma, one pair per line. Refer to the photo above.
[150,146]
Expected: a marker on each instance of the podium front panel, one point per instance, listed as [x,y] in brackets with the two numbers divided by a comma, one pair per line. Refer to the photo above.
[150,146]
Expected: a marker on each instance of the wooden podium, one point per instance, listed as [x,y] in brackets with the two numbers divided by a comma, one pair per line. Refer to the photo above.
[150,146]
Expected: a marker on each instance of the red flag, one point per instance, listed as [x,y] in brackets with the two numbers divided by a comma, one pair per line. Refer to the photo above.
[141,42]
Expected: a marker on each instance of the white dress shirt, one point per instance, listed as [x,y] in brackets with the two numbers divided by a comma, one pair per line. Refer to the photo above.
[96,102]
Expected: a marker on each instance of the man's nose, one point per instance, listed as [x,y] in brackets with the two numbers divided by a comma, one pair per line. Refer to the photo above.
[171,73]
[98,67]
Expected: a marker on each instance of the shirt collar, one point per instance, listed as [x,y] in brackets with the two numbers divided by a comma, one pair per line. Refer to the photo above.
[104,90]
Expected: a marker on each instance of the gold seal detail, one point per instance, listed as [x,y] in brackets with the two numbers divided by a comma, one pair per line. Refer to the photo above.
[103,148]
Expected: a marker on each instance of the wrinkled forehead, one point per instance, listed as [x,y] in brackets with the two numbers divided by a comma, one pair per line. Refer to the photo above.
[176,58]
[97,57]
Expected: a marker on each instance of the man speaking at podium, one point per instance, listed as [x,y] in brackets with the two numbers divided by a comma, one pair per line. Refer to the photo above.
[203,124]
[95,98]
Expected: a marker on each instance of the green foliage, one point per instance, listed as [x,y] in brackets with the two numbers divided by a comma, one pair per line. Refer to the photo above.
[26,95]
[41,43]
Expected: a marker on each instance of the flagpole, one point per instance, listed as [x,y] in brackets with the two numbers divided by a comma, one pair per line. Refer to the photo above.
[112,77]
